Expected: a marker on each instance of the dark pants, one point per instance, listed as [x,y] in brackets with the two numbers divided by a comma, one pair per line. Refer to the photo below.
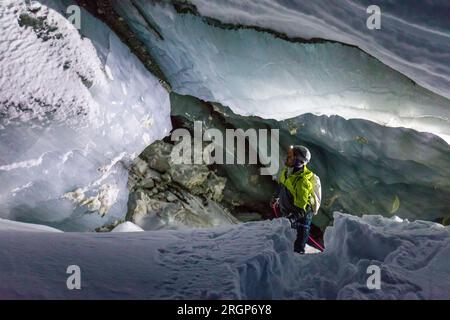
[302,224]
[300,220]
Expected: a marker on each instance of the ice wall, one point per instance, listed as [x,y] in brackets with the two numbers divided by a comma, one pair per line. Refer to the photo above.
[413,37]
[255,73]
[76,107]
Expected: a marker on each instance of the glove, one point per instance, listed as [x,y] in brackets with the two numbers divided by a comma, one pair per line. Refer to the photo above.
[295,217]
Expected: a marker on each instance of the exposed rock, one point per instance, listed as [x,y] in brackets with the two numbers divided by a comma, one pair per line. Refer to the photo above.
[137,205]
[167,213]
[141,166]
[148,184]
[101,201]
[166,177]
[109,227]
[158,156]
[190,176]
[171,197]
[168,195]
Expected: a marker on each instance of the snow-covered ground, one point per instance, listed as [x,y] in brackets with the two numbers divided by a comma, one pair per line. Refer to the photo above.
[254,260]
[255,73]
[74,111]
[127,226]
[9,225]
[413,38]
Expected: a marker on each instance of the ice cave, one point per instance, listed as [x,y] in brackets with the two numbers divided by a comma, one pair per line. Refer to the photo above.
[91,91]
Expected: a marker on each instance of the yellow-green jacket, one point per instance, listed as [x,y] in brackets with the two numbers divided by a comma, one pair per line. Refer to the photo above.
[304,187]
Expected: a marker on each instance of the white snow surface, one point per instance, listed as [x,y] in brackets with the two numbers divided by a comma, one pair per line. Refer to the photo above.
[8,225]
[255,73]
[74,112]
[252,260]
[413,38]
[127,226]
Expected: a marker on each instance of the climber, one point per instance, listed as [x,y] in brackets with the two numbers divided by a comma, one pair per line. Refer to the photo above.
[298,194]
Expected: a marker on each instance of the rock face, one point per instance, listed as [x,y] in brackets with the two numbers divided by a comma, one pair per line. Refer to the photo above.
[164,195]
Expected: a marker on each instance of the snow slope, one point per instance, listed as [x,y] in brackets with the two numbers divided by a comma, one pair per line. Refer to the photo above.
[127,226]
[75,109]
[413,38]
[247,261]
[255,73]
[8,225]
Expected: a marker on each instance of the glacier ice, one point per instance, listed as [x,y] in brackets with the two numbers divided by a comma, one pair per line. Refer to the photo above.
[413,37]
[15,226]
[76,108]
[255,73]
[252,260]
